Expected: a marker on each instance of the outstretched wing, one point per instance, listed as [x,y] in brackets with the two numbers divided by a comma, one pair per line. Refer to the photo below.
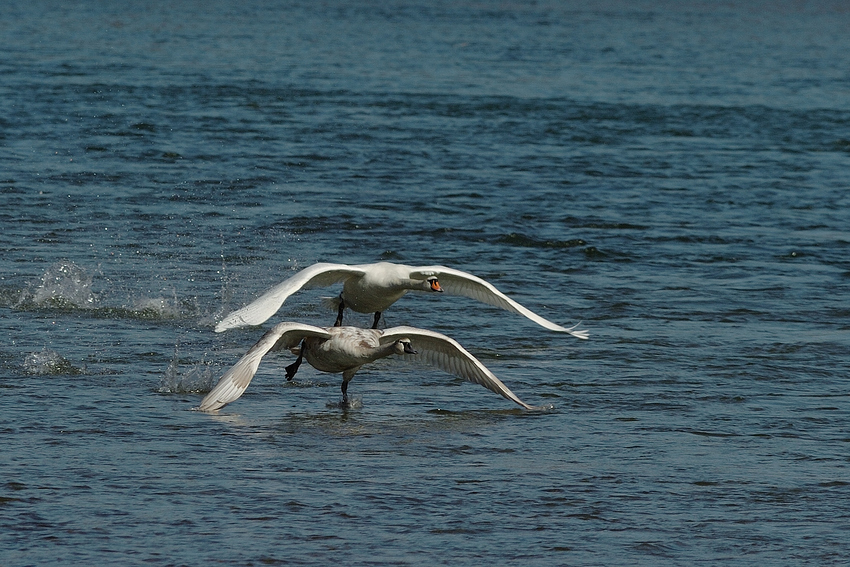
[446,354]
[235,381]
[259,310]
[457,282]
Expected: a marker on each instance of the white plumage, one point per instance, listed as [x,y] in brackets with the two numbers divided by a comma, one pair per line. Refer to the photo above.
[346,349]
[372,288]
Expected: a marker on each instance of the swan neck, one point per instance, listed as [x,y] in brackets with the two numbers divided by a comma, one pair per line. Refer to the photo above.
[384,351]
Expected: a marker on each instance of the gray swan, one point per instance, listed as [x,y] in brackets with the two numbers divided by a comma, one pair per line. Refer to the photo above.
[345,350]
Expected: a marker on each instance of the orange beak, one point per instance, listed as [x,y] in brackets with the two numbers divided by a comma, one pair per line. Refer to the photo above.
[435,286]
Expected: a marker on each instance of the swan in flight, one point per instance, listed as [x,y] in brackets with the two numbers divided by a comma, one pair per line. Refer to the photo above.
[372,288]
[346,349]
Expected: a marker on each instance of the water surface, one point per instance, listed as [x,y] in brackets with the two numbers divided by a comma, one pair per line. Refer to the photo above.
[673,176]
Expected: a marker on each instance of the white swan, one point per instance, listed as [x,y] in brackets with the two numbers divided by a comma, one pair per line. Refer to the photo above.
[346,349]
[372,288]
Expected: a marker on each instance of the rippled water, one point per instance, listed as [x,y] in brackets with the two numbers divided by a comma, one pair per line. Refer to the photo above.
[675,176]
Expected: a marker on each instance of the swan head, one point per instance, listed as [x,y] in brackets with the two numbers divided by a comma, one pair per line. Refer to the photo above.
[403,346]
[432,284]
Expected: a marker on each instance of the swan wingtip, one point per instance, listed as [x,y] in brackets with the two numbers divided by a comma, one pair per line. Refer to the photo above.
[578,333]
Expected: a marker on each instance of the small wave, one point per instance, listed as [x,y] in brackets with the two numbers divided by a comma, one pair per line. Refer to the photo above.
[352,403]
[517,239]
[49,362]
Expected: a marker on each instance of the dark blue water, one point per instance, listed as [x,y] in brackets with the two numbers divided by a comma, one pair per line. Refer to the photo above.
[675,175]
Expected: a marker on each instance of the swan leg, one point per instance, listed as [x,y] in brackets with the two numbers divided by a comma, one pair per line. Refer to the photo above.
[344,389]
[293,368]
[377,318]
[339,315]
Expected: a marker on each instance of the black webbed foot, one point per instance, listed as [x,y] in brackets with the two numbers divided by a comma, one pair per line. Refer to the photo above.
[292,369]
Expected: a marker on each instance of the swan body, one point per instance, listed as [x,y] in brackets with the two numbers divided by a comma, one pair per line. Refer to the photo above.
[372,288]
[346,349]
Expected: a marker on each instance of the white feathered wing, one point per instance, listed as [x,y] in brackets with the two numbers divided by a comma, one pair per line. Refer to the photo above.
[235,381]
[259,310]
[457,282]
[445,353]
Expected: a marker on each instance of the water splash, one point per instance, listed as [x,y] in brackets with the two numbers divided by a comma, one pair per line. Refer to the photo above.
[49,362]
[197,379]
[63,285]
[68,287]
